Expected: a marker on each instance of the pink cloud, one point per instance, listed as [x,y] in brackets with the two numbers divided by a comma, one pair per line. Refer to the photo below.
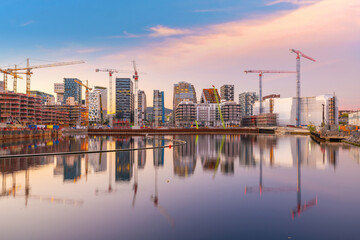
[219,53]
[163,31]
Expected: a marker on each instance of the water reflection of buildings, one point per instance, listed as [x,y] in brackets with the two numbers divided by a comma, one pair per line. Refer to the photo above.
[141,153]
[124,160]
[314,155]
[184,157]
[70,165]
[97,161]
[354,153]
[230,147]
[246,151]
[207,149]
[158,153]
[230,152]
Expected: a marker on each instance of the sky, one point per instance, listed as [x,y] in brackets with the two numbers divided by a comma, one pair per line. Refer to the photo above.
[204,42]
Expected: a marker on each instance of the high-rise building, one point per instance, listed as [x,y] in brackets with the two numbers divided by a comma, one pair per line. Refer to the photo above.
[94,107]
[59,89]
[45,97]
[209,96]
[158,108]
[72,89]
[124,99]
[104,101]
[227,92]
[185,114]
[141,107]
[183,91]
[246,102]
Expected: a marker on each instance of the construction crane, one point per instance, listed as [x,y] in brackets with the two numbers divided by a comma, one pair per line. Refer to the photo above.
[218,104]
[261,72]
[298,55]
[111,72]
[101,110]
[28,72]
[136,78]
[7,72]
[86,100]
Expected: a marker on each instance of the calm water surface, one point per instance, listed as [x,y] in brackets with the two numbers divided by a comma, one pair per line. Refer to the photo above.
[214,187]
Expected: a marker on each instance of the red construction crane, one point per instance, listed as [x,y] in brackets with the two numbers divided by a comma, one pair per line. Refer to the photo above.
[111,72]
[261,72]
[136,78]
[298,55]
[28,72]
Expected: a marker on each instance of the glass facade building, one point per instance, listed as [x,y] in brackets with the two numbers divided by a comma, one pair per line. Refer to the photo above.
[183,91]
[124,99]
[158,107]
[72,89]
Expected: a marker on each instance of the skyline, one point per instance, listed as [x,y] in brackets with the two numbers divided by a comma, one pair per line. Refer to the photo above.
[257,35]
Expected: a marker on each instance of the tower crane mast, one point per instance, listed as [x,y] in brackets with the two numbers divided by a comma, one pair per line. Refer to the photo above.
[261,72]
[111,72]
[298,55]
[136,78]
[7,72]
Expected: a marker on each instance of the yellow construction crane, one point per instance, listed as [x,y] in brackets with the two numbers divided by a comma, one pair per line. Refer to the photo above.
[28,72]
[7,72]
[86,99]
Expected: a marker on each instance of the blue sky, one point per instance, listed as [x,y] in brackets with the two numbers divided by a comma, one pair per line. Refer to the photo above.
[28,27]
[204,42]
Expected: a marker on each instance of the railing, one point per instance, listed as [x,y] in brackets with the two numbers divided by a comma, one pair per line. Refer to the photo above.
[176,143]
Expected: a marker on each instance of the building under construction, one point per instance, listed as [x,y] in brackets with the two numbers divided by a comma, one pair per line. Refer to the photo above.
[27,110]
[19,108]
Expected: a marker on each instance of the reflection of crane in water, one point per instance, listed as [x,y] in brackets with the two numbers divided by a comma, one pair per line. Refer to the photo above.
[155,198]
[261,188]
[300,207]
[15,188]
[135,186]
[109,189]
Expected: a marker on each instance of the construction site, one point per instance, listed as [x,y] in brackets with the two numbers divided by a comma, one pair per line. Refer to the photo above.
[38,110]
